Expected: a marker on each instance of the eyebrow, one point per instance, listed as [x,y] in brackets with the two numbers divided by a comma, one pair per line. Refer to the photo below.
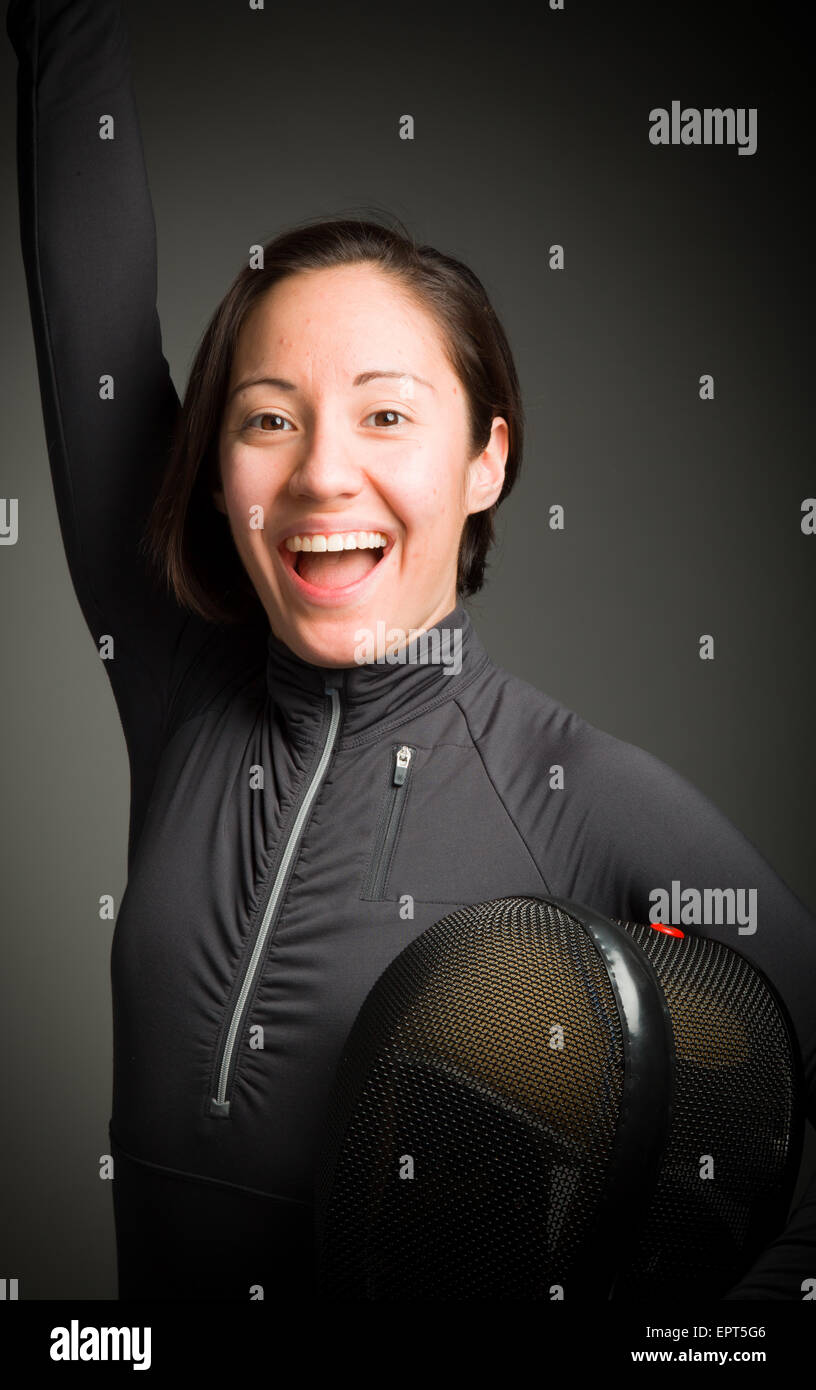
[362,380]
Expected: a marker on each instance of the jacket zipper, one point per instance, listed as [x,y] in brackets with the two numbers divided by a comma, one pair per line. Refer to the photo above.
[378,873]
[219,1105]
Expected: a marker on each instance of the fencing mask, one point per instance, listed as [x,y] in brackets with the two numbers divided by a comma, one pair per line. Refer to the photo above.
[536,1101]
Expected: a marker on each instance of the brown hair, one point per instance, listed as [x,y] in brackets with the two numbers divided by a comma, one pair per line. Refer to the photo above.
[187,541]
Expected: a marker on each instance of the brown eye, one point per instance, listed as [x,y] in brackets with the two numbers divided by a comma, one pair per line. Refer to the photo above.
[266,416]
[394,414]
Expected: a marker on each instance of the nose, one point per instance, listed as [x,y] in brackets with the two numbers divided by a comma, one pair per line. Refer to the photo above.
[326,465]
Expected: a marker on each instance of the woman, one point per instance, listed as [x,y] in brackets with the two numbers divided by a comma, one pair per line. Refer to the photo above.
[301,810]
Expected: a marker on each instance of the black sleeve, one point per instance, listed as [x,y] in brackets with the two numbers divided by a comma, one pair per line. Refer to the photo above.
[643,825]
[89,249]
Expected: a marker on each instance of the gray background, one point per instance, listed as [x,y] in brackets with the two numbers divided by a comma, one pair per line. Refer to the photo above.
[682,516]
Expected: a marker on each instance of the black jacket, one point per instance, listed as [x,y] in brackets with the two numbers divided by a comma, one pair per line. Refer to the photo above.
[292,827]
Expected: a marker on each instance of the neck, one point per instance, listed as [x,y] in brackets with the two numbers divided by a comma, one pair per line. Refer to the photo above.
[433,666]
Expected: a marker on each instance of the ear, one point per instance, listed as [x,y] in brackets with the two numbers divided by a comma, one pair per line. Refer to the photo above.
[486,471]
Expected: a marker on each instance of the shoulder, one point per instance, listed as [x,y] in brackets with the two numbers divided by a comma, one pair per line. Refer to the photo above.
[537,745]
[512,713]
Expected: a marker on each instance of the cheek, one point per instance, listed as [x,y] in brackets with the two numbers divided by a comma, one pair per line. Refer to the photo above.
[246,484]
[422,487]
[432,525]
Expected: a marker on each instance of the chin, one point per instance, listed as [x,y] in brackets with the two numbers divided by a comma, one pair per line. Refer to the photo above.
[325,642]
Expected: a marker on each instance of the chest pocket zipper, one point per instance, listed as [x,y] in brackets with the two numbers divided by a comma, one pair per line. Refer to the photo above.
[374,883]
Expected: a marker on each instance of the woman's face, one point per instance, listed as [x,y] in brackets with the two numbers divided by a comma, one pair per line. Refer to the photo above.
[344,416]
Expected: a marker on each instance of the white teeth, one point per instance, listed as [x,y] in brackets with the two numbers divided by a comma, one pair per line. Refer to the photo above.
[338,540]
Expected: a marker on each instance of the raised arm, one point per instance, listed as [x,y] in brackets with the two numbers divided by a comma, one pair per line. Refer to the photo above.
[109,405]
[89,248]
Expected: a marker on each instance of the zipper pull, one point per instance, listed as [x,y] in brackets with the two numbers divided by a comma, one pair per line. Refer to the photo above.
[401,765]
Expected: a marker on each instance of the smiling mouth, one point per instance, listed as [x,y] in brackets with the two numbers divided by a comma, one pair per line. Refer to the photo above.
[330,570]
[334,569]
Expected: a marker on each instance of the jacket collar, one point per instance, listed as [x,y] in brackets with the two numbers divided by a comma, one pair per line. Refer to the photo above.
[432,667]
